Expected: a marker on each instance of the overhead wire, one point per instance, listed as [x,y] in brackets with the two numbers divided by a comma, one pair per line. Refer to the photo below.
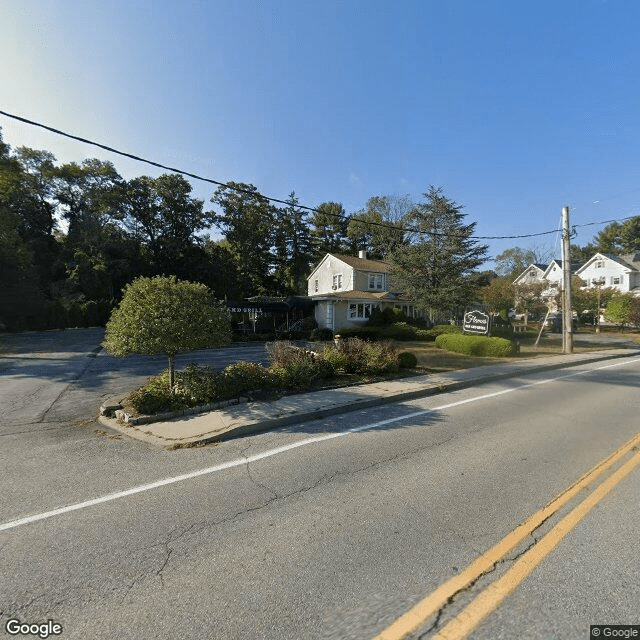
[234,187]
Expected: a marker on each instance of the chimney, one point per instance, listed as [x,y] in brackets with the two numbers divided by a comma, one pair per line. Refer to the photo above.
[362,254]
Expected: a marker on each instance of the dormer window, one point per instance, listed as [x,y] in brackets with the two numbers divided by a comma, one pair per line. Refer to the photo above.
[376,281]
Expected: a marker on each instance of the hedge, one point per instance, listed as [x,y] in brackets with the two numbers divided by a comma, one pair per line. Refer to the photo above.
[397,331]
[477,345]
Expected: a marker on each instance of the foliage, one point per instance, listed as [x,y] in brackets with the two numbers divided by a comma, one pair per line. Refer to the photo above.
[619,308]
[634,313]
[477,345]
[241,377]
[512,262]
[155,396]
[498,295]
[163,315]
[372,229]
[247,221]
[293,247]
[407,360]
[320,335]
[528,297]
[435,268]
[328,229]
[619,237]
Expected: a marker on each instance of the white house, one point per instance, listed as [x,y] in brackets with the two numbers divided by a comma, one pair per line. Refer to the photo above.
[533,273]
[618,272]
[346,289]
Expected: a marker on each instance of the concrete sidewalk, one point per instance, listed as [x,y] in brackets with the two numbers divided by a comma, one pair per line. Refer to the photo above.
[254,417]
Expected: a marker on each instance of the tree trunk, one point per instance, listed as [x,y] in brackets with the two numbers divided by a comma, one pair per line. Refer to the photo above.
[172,373]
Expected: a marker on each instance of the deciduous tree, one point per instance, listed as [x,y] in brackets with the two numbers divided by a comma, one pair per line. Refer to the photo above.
[164,315]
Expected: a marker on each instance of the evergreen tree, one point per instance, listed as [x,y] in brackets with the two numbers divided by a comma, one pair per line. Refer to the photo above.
[619,237]
[329,230]
[292,242]
[248,221]
[435,268]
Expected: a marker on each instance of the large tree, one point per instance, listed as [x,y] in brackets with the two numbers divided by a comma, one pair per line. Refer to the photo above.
[513,261]
[329,229]
[247,221]
[164,217]
[499,296]
[90,197]
[22,302]
[436,267]
[378,228]
[619,237]
[293,247]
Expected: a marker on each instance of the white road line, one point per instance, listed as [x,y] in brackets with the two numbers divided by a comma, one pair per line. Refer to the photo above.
[12,524]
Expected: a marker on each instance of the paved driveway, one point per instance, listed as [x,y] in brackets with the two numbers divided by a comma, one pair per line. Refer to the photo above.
[56,376]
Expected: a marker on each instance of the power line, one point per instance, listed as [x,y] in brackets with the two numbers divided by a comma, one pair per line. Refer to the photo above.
[279,201]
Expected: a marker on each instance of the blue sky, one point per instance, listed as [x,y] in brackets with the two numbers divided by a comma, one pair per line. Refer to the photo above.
[515,108]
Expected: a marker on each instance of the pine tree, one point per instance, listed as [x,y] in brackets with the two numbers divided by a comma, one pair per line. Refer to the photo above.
[435,268]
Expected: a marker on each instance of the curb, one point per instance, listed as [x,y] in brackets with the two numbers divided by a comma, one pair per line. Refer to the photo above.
[252,428]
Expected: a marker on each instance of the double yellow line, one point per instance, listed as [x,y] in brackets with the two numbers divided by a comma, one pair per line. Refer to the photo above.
[469,618]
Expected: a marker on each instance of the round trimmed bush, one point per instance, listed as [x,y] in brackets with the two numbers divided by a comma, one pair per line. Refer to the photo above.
[407,360]
[476,345]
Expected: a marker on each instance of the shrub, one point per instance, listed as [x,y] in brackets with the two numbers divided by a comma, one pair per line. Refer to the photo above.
[407,360]
[380,357]
[156,397]
[363,333]
[476,345]
[240,377]
[353,350]
[400,331]
[300,375]
[282,352]
[201,384]
[504,331]
[321,335]
[336,358]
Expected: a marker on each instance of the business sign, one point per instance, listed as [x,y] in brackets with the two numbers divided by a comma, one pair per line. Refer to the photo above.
[477,323]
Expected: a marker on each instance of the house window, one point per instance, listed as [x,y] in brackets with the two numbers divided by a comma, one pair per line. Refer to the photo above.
[376,281]
[616,279]
[599,264]
[337,282]
[315,286]
[361,310]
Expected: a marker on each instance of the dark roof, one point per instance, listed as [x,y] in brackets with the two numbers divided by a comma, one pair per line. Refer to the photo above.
[631,260]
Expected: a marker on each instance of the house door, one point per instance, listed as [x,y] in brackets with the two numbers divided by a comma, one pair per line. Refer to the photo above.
[329,316]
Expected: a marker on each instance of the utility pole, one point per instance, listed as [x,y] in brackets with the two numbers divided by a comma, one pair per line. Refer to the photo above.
[567,315]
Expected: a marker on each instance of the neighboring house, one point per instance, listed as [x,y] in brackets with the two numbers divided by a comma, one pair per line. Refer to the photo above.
[346,289]
[618,272]
[533,273]
[550,274]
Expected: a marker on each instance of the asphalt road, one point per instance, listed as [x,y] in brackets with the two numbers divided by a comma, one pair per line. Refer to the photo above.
[313,531]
